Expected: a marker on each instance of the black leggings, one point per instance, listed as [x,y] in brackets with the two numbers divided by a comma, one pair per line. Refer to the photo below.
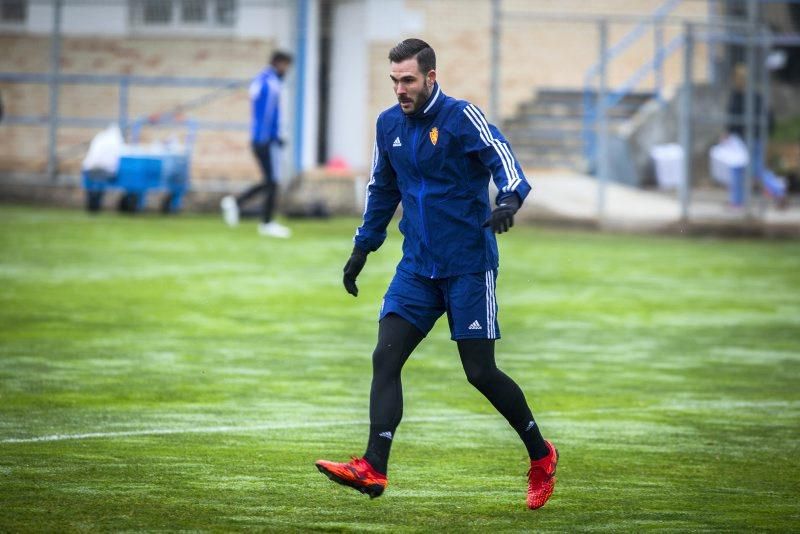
[397,338]
[269,186]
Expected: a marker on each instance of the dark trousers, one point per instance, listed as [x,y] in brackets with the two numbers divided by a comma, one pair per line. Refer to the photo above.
[268,186]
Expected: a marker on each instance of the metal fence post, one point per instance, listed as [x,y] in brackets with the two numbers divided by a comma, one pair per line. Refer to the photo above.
[685,124]
[301,36]
[750,105]
[712,13]
[494,94]
[602,121]
[124,86]
[658,44]
[55,71]
[765,90]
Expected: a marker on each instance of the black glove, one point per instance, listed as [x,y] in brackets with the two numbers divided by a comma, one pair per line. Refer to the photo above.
[352,268]
[502,217]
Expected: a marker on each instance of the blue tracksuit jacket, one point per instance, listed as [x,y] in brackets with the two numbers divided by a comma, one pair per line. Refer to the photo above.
[265,92]
[438,162]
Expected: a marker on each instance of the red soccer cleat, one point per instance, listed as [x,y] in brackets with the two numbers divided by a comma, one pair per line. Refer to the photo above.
[357,474]
[541,478]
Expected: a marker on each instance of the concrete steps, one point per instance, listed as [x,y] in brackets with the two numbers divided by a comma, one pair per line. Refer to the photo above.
[548,130]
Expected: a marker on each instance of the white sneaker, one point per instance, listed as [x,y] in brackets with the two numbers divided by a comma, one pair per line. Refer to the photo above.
[274,229]
[230,210]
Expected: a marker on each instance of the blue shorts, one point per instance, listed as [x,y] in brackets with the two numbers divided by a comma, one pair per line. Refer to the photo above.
[468,299]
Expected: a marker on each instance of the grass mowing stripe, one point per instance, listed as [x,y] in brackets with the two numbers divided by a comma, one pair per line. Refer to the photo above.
[553,414]
[220,429]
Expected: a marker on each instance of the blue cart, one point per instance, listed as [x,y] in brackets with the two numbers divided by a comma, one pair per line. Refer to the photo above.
[144,171]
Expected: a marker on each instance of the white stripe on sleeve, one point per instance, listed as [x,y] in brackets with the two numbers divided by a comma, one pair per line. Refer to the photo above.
[487,138]
[501,148]
[513,178]
[371,175]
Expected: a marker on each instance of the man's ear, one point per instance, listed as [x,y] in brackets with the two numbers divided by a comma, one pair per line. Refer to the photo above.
[430,78]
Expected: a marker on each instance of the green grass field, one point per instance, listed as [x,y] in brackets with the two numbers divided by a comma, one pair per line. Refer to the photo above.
[172,373]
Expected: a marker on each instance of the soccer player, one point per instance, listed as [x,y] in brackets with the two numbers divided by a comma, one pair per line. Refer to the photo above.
[265,93]
[435,154]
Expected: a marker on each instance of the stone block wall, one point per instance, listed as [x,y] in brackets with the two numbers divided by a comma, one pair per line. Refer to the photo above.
[218,155]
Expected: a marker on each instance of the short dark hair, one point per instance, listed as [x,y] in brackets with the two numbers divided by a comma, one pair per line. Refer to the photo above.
[280,56]
[426,57]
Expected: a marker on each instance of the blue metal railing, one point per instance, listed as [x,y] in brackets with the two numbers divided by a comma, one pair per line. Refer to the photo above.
[166,121]
[631,37]
[652,65]
[613,98]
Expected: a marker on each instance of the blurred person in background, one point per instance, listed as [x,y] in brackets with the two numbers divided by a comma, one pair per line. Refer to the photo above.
[436,155]
[266,143]
[773,186]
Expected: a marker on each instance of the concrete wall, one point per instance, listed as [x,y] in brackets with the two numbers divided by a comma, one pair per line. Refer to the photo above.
[346,132]
[364,31]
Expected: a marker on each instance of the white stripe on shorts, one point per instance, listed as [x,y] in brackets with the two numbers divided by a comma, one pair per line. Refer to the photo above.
[491,308]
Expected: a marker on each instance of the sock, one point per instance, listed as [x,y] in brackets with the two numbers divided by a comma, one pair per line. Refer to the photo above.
[378,447]
[533,440]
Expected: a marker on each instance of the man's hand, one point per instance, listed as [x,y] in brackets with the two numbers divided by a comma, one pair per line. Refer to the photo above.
[352,268]
[502,217]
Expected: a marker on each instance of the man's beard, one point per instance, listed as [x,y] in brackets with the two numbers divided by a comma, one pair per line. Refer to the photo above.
[422,97]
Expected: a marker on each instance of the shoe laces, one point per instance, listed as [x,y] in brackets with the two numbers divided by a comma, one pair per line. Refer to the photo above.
[539,467]
[358,462]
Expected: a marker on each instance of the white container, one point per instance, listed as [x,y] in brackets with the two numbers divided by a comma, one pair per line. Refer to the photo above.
[728,159]
[104,151]
[669,160]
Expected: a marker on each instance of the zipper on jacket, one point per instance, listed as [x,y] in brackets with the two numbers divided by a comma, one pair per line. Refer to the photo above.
[425,238]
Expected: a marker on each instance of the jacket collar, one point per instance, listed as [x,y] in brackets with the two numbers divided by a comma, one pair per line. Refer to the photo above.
[431,106]
[270,72]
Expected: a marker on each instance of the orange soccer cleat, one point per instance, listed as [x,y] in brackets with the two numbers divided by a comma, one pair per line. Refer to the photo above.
[358,474]
[541,478]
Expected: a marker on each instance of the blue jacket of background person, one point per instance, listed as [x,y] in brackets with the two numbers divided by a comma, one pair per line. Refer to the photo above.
[265,92]
[438,162]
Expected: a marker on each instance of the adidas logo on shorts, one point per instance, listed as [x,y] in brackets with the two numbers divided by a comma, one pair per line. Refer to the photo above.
[475,326]
[387,435]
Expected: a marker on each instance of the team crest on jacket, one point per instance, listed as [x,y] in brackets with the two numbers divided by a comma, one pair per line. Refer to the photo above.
[434,134]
